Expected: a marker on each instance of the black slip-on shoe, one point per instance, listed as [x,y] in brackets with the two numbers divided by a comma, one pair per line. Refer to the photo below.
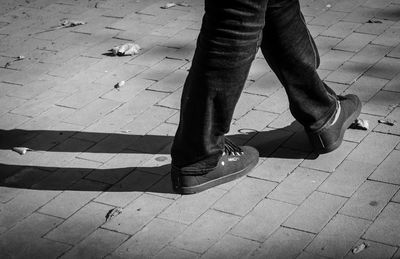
[330,136]
[234,163]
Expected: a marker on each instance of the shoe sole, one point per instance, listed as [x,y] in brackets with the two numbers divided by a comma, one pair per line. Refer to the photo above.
[212,183]
[318,144]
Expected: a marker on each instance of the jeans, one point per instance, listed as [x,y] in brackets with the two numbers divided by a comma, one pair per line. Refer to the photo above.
[231,33]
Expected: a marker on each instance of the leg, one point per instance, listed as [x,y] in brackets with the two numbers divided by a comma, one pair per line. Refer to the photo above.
[291,52]
[226,46]
[225,49]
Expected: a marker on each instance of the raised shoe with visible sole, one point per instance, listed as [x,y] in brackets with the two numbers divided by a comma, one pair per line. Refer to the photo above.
[330,136]
[235,162]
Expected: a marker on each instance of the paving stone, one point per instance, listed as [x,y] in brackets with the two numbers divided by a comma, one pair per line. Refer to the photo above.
[97,245]
[263,220]
[315,212]
[306,255]
[341,29]
[61,154]
[396,198]
[47,119]
[394,84]
[246,103]
[178,211]
[255,120]
[366,87]
[388,170]
[122,72]
[162,69]
[397,255]
[328,18]
[277,167]
[258,68]
[370,54]
[390,129]
[325,44]
[171,82]
[149,120]
[163,188]
[328,162]
[150,240]
[354,135]
[385,228]
[355,42]
[73,66]
[361,14]
[374,250]
[153,56]
[231,247]
[374,28]
[173,252]
[374,148]
[276,103]
[128,189]
[265,85]
[338,236]
[173,100]
[123,115]
[283,243]
[71,200]
[81,224]
[298,185]
[386,68]
[202,234]
[23,205]
[33,226]
[299,141]
[172,28]
[40,103]
[137,214]
[369,200]
[107,148]
[26,177]
[287,122]
[7,194]
[394,53]
[347,178]
[84,97]
[8,103]
[24,240]
[348,73]
[92,112]
[64,178]
[386,13]
[244,196]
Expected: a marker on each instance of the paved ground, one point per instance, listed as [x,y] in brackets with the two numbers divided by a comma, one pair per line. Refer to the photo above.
[101,151]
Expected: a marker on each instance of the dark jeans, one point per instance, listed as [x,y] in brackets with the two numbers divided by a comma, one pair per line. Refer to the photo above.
[232,31]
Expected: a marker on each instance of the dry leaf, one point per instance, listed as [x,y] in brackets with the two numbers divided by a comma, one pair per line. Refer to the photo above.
[119,84]
[373,21]
[21,150]
[68,23]
[360,124]
[113,213]
[168,5]
[359,248]
[387,122]
[126,49]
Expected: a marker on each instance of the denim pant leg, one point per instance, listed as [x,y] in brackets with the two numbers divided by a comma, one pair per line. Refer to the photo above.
[291,52]
[226,46]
